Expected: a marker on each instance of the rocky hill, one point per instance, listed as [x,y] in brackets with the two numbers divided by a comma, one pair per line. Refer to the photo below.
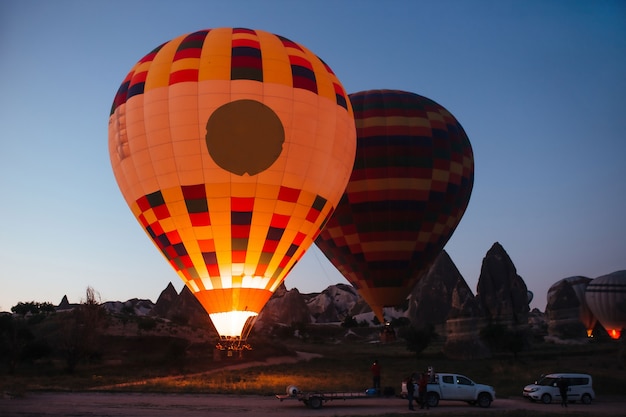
[442,299]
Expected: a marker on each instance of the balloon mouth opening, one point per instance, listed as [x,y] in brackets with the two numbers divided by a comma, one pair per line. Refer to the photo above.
[233,324]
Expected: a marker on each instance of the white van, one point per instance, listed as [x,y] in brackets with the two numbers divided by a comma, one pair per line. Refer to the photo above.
[545,389]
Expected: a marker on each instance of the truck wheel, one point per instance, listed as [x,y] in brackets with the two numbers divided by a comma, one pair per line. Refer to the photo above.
[484,400]
[315,403]
[546,398]
[432,399]
[586,399]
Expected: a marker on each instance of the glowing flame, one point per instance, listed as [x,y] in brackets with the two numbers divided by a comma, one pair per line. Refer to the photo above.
[589,332]
[614,333]
[230,323]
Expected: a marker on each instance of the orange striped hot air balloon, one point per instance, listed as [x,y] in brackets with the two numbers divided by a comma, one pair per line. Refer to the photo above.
[411,183]
[231,147]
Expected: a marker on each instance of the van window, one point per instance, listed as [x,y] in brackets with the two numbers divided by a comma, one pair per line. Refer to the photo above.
[547,381]
[579,381]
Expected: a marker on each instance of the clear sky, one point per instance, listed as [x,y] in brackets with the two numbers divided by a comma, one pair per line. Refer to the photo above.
[539,86]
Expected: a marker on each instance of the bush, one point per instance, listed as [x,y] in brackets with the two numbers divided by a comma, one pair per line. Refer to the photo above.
[146,324]
[349,322]
[500,338]
[418,339]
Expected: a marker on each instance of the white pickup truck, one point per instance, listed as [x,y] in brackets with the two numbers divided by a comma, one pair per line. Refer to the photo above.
[455,387]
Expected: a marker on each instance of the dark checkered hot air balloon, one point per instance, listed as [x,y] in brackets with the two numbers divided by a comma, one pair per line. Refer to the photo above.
[410,185]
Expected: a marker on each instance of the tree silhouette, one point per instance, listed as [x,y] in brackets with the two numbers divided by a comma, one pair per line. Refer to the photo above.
[418,339]
[501,338]
[32,307]
[14,337]
[83,330]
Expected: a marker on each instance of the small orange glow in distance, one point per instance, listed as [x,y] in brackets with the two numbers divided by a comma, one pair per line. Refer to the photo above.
[615,333]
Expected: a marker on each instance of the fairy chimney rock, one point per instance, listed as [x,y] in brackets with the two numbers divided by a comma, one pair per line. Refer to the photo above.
[502,293]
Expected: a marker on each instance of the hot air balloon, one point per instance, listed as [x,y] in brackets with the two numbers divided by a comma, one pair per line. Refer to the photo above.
[579,286]
[231,147]
[606,297]
[410,185]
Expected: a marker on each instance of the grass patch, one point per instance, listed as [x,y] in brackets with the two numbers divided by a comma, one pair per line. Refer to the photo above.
[155,364]
[345,367]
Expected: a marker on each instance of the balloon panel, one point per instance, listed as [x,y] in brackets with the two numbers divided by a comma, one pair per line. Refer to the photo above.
[410,185]
[231,147]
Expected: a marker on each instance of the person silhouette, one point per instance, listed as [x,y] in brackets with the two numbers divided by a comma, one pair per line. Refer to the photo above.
[375,368]
[563,385]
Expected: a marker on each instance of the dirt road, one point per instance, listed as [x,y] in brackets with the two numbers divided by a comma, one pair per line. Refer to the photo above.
[94,404]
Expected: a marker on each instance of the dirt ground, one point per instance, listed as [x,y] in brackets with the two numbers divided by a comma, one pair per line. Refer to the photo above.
[109,404]
[96,404]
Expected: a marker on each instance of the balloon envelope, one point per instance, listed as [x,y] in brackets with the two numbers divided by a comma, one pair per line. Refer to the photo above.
[231,148]
[579,285]
[410,185]
[606,297]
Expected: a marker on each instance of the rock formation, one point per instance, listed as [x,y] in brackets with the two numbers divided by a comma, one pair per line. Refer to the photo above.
[189,306]
[181,308]
[502,293]
[165,302]
[64,304]
[333,304]
[284,307]
[431,301]
[537,324]
[134,306]
[463,341]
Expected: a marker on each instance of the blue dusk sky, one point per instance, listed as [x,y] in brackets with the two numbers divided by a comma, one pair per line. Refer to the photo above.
[539,86]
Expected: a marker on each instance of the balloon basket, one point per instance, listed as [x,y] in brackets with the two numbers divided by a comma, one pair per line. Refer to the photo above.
[232,346]
[387,333]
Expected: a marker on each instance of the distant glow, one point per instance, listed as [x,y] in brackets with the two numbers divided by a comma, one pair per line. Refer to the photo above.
[614,333]
[231,323]
[589,332]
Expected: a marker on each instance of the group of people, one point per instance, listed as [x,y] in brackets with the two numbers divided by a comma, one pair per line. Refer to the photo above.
[422,388]
[412,382]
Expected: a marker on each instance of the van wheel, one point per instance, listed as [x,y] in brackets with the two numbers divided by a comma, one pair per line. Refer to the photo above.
[586,399]
[546,398]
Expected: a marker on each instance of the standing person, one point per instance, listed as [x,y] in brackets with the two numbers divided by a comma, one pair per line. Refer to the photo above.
[410,390]
[376,375]
[563,386]
[422,389]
